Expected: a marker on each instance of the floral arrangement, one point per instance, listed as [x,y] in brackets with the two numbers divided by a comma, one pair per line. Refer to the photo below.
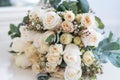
[61,41]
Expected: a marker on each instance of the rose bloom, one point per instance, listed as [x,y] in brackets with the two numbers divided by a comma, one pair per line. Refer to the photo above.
[27,35]
[71,55]
[66,38]
[51,20]
[50,67]
[56,49]
[72,73]
[22,61]
[36,68]
[88,58]
[18,45]
[91,37]
[77,40]
[69,16]
[30,49]
[67,26]
[54,60]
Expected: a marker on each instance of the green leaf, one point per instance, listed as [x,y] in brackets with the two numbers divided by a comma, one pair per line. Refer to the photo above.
[51,38]
[54,3]
[83,6]
[100,23]
[71,5]
[14,31]
[26,19]
[109,49]
[114,59]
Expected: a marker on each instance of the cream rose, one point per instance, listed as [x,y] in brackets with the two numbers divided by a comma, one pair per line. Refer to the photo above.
[50,68]
[67,26]
[91,37]
[72,73]
[77,40]
[36,68]
[69,16]
[30,49]
[88,21]
[22,61]
[18,45]
[66,38]
[51,20]
[54,60]
[56,49]
[88,58]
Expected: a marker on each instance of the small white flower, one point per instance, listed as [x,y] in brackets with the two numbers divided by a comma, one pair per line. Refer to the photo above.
[56,49]
[18,45]
[88,58]
[22,61]
[51,20]
[72,73]
[91,37]
[50,68]
[69,16]
[66,38]
[67,26]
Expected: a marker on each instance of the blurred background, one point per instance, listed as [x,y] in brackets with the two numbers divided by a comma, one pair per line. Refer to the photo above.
[12,11]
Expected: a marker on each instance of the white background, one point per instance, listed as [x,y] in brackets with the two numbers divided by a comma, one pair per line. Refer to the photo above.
[107,10]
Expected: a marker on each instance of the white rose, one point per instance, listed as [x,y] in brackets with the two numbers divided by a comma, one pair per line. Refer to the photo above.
[51,20]
[71,55]
[22,61]
[18,45]
[56,49]
[69,16]
[88,58]
[50,67]
[88,21]
[72,73]
[30,49]
[67,26]
[72,49]
[36,68]
[66,38]
[91,37]
[26,34]
[54,60]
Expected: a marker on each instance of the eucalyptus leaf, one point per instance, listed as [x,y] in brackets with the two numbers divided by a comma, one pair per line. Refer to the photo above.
[83,6]
[26,19]
[114,59]
[51,38]
[100,23]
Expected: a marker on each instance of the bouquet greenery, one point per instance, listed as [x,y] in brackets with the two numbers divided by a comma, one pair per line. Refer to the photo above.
[61,41]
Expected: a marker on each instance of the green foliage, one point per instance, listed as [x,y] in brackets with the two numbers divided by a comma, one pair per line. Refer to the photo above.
[83,6]
[100,23]
[54,3]
[26,19]
[14,31]
[71,5]
[109,49]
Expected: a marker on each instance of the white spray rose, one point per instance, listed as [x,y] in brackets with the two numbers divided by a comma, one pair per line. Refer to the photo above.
[88,20]
[56,49]
[72,73]
[88,58]
[51,20]
[67,26]
[91,37]
[66,38]
[69,16]
[36,68]
[22,61]
[18,45]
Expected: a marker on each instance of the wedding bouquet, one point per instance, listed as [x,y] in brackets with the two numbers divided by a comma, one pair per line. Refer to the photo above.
[61,41]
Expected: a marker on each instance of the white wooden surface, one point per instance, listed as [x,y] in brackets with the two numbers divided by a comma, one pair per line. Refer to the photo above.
[9,71]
